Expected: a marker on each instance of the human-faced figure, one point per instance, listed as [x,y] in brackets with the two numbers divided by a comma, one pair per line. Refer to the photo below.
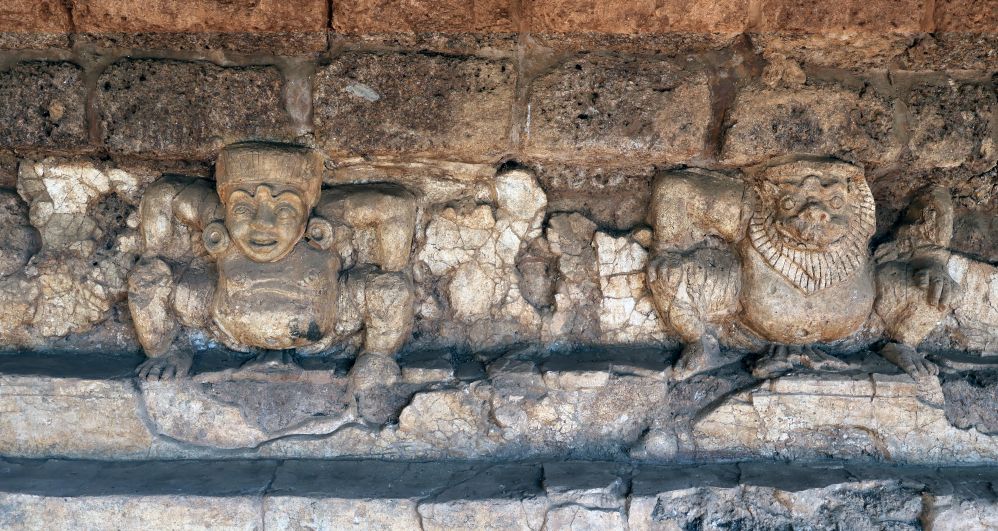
[266,221]
[810,210]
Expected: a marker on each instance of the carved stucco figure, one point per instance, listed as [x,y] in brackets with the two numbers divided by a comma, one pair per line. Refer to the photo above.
[268,262]
[786,262]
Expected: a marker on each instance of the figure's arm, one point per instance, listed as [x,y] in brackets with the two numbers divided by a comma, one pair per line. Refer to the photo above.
[923,241]
[170,201]
[689,207]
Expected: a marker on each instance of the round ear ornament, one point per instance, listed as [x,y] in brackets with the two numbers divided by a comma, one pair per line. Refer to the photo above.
[215,238]
[319,234]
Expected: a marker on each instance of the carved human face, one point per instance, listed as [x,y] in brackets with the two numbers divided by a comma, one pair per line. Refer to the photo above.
[266,222]
[810,210]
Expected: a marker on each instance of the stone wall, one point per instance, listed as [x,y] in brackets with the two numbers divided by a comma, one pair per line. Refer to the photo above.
[555,167]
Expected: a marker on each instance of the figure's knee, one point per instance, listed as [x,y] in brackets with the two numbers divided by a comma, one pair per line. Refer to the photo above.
[389,301]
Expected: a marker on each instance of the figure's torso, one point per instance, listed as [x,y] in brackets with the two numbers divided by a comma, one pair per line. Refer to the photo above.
[780,312]
[286,304]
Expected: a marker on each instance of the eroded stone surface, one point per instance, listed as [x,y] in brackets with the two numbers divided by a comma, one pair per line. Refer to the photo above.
[812,119]
[176,108]
[618,107]
[456,108]
[45,105]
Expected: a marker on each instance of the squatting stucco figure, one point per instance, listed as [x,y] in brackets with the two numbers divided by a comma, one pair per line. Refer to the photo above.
[266,261]
[786,262]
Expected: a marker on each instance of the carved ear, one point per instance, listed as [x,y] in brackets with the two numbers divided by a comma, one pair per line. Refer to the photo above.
[319,234]
[215,238]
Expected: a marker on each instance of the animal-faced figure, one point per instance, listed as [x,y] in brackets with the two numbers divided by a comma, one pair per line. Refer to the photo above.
[256,266]
[785,261]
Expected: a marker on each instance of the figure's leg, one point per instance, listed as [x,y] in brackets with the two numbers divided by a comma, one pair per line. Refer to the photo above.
[694,292]
[909,313]
[388,318]
[150,285]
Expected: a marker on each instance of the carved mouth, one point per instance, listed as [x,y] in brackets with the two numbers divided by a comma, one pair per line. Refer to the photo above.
[263,244]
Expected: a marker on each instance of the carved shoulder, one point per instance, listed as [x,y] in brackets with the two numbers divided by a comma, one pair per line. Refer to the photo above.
[689,206]
[173,206]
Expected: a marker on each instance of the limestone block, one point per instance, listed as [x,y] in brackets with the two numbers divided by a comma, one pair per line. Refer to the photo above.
[952,51]
[798,416]
[70,417]
[603,108]
[860,505]
[241,411]
[41,16]
[475,250]
[855,16]
[22,239]
[834,49]
[44,105]
[385,16]
[188,109]
[81,214]
[951,124]
[455,108]
[825,119]
[628,310]
[27,24]
[634,16]
[965,16]
[615,198]
[22,511]
[977,313]
[101,16]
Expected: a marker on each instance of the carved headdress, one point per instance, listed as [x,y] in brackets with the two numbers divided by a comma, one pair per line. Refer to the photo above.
[811,270]
[250,164]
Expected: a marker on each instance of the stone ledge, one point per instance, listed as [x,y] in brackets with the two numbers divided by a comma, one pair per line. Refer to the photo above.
[514,407]
[249,494]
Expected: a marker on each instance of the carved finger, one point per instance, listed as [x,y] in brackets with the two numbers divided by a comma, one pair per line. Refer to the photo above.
[169,373]
[946,296]
[922,279]
[932,367]
[936,291]
[157,372]
[143,371]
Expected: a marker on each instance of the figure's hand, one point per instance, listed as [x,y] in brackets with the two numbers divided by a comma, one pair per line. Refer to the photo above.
[939,287]
[174,365]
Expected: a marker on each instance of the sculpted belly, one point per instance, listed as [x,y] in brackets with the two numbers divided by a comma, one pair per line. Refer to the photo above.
[273,307]
[780,312]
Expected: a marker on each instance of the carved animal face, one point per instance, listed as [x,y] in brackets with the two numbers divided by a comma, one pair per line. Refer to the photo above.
[811,211]
[266,222]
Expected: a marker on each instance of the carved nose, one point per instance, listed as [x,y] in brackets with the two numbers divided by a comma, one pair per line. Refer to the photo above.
[815,214]
[264,218]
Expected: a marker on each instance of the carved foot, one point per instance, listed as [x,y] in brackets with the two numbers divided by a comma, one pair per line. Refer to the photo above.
[372,380]
[176,364]
[698,357]
[782,359]
[924,372]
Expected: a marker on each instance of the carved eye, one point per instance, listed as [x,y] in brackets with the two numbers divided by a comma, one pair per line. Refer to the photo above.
[787,203]
[837,202]
[241,210]
[286,212]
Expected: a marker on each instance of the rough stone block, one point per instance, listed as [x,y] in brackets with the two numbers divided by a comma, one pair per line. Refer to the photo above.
[638,16]
[34,16]
[826,119]
[98,16]
[188,109]
[457,108]
[43,105]
[951,124]
[387,16]
[966,16]
[622,110]
[952,51]
[857,15]
[45,416]
[244,42]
